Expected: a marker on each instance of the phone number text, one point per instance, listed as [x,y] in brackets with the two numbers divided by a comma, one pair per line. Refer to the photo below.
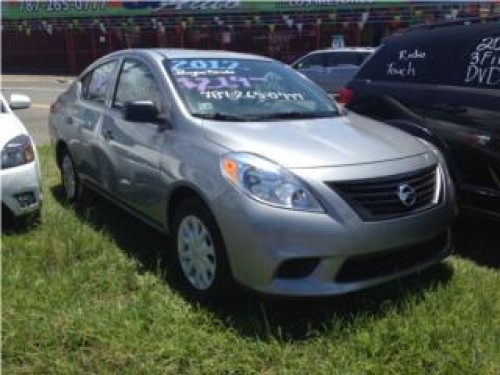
[54,6]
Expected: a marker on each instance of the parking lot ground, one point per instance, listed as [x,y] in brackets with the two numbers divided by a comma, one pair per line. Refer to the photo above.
[43,90]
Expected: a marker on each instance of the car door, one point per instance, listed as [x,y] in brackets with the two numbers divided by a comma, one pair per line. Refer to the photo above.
[469,121]
[132,150]
[83,118]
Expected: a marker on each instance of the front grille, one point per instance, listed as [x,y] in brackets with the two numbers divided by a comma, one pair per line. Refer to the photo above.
[391,196]
[385,263]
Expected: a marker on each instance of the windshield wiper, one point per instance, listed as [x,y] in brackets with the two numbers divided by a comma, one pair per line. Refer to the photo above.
[298,115]
[221,116]
[218,116]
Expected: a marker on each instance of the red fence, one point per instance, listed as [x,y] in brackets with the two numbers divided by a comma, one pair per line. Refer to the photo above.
[68,51]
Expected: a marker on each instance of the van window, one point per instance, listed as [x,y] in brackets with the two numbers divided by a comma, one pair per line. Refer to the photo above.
[482,63]
[463,56]
[413,61]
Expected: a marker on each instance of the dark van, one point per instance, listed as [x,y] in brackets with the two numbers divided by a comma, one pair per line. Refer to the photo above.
[442,83]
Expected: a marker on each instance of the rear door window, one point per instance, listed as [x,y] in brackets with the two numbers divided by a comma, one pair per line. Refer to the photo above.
[96,84]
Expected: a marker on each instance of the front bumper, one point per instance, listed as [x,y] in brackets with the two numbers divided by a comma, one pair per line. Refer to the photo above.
[262,240]
[21,189]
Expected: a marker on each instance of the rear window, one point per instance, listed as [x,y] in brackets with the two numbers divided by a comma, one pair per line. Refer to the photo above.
[346,58]
[312,61]
[456,56]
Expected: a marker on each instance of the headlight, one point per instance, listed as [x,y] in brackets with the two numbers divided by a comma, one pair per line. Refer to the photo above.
[17,151]
[268,182]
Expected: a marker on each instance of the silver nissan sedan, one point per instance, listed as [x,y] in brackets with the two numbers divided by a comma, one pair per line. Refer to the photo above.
[259,178]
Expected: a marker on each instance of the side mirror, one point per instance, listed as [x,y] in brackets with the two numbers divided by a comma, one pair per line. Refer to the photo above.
[140,111]
[18,101]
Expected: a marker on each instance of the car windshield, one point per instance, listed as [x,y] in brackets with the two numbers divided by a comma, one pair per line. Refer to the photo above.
[247,90]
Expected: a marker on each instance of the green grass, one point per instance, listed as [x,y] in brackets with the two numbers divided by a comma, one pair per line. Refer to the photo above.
[86,292]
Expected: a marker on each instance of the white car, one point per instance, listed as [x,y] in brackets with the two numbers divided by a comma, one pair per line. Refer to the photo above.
[20,176]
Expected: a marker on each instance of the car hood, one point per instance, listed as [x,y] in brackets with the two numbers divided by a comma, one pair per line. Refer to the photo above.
[10,126]
[326,142]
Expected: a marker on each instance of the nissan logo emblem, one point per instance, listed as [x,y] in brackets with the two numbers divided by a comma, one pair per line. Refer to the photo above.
[407,195]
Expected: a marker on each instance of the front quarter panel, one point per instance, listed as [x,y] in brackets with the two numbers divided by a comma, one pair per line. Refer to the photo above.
[190,160]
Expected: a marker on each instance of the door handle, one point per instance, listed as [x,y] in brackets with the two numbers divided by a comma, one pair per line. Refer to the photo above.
[108,134]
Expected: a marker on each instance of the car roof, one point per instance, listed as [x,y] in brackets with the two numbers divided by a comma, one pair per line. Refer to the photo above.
[345,49]
[467,29]
[457,22]
[181,53]
[161,54]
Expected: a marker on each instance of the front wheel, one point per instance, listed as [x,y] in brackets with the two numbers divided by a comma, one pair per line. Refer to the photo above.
[71,183]
[200,253]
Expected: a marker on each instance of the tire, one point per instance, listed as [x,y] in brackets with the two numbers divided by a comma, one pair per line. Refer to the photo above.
[36,217]
[200,255]
[73,190]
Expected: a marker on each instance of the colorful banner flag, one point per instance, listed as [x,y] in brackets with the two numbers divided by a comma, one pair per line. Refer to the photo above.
[31,9]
